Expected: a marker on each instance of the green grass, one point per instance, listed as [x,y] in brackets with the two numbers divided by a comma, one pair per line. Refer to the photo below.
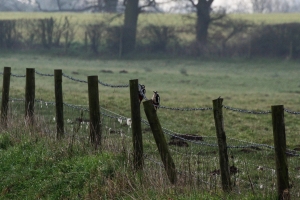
[246,84]
[37,167]
[271,18]
[36,163]
[165,19]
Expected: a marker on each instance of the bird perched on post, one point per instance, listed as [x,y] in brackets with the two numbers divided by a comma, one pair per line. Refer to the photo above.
[142,92]
[156,100]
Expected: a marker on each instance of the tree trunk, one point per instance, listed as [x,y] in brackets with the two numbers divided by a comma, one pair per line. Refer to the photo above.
[130,26]
[203,20]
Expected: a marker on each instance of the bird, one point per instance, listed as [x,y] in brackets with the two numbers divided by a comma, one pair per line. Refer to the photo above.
[142,92]
[156,100]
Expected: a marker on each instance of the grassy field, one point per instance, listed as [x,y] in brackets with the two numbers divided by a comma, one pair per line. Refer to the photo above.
[73,170]
[164,19]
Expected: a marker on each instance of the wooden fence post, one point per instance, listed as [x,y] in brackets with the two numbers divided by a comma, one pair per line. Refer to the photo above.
[223,156]
[160,140]
[5,95]
[59,103]
[30,95]
[138,159]
[95,122]
[280,152]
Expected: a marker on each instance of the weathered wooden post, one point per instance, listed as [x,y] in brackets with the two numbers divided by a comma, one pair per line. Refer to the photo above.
[223,155]
[160,140]
[30,95]
[95,123]
[59,103]
[137,139]
[5,95]
[280,152]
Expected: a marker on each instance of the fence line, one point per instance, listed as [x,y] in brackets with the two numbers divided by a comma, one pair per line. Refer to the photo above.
[226,184]
[168,132]
[161,106]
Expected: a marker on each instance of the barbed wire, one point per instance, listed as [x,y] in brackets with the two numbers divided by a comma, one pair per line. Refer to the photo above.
[251,144]
[292,112]
[246,111]
[186,109]
[113,86]
[161,106]
[42,74]
[76,107]
[169,132]
[257,112]
[73,79]
[18,76]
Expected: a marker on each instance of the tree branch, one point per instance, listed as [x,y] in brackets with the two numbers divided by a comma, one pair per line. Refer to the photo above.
[60,9]
[218,15]
[193,3]
[151,3]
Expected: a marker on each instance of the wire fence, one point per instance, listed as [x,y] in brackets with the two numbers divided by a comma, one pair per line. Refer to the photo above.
[242,144]
[256,112]
[199,156]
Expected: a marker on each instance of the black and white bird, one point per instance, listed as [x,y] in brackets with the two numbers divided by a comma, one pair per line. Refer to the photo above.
[156,100]
[142,92]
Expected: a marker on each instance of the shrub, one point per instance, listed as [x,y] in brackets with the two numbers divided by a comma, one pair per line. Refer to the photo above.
[94,33]
[112,38]
[9,36]
[157,38]
[281,40]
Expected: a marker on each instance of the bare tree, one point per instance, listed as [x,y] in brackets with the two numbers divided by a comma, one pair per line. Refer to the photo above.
[132,11]
[241,7]
[295,6]
[261,6]
[79,5]
[227,29]
[203,10]
[14,5]
[281,6]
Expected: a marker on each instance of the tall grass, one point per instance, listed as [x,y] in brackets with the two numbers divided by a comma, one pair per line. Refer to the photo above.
[35,165]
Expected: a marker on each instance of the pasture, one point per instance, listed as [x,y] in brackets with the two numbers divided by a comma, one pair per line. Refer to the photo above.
[174,34]
[253,85]
[149,18]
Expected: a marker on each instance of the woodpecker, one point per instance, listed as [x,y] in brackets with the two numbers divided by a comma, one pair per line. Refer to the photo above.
[156,100]
[142,92]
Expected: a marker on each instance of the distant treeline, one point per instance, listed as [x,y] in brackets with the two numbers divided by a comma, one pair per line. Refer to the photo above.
[231,38]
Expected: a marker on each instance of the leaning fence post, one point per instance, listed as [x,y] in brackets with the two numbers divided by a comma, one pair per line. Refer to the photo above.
[138,159]
[223,156]
[160,141]
[95,123]
[280,152]
[5,95]
[30,95]
[59,103]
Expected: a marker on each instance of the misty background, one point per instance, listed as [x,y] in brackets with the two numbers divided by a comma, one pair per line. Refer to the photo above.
[170,6]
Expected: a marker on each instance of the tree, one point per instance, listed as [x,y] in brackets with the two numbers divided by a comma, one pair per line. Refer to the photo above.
[132,11]
[77,5]
[14,5]
[263,6]
[203,19]
[260,6]
[130,26]
[203,10]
